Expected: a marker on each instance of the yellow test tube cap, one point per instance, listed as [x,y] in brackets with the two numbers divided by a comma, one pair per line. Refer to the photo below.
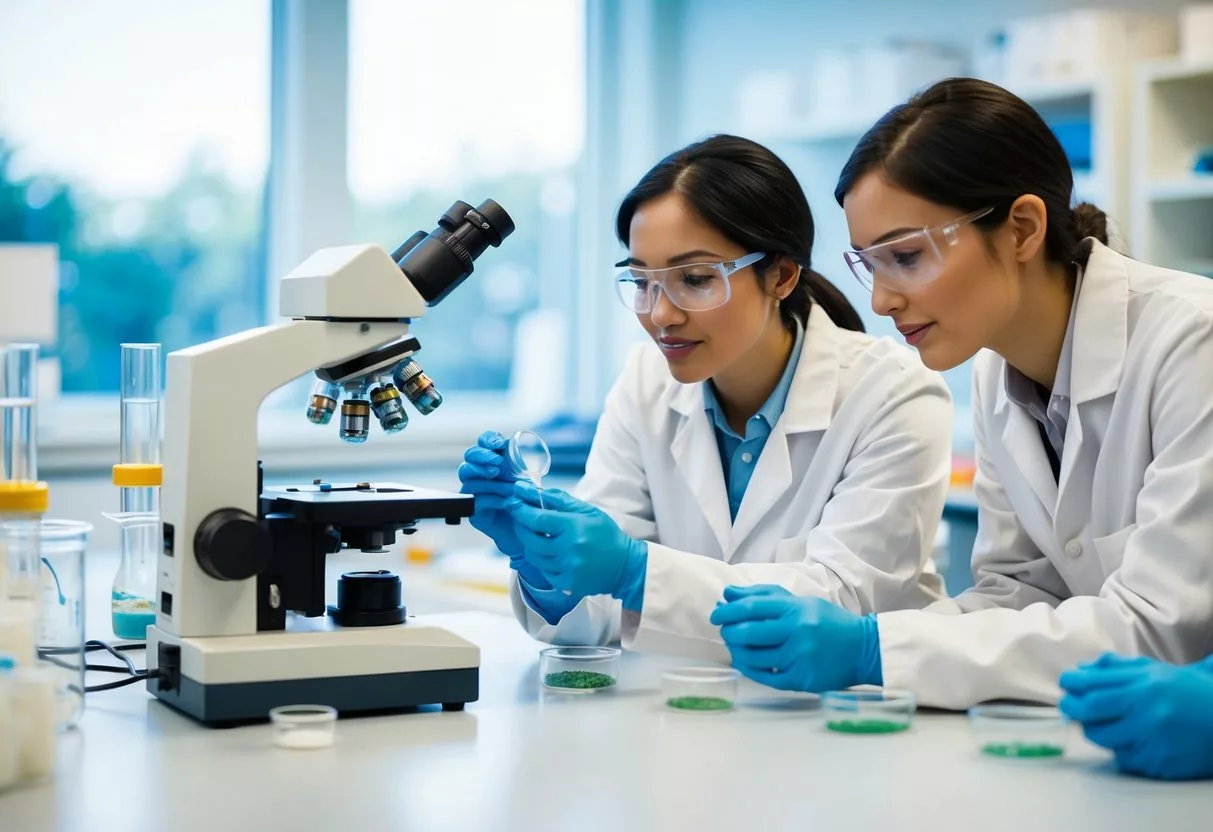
[24,497]
[138,475]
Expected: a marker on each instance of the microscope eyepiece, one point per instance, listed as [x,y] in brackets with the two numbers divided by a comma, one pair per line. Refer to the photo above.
[437,262]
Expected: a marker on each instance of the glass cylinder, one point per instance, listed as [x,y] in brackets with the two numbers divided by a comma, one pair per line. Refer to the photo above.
[18,393]
[59,627]
[132,604]
[140,390]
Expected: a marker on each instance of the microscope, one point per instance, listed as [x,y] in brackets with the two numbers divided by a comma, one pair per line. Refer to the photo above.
[241,623]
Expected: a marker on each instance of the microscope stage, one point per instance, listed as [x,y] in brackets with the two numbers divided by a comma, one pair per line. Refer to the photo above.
[366,503]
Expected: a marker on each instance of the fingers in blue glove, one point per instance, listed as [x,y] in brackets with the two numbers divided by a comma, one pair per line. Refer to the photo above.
[553,499]
[484,485]
[736,593]
[1114,734]
[1111,660]
[1083,681]
[1099,705]
[756,608]
[768,633]
[764,676]
[492,440]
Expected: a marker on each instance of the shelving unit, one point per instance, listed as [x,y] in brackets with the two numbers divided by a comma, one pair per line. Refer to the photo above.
[1104,105]
[1172,205]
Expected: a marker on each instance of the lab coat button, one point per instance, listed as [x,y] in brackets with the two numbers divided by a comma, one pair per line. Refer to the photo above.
[1074,548]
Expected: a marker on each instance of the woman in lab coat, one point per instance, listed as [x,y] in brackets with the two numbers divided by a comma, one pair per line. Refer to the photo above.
[1093,419]
[758,436]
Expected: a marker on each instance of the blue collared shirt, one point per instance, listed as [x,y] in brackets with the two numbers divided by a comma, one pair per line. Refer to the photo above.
[739,454]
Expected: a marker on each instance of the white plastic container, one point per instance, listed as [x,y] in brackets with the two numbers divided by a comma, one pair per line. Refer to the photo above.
[304,727]
[9,740]
[34,708]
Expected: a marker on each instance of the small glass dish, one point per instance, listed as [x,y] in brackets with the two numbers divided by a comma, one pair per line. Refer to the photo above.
[1019,731]
[868,711]
[304,727]
[579,669]
[705,690]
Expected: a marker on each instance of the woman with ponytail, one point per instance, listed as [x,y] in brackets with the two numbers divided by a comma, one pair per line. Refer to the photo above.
[1093,419]
[759,436]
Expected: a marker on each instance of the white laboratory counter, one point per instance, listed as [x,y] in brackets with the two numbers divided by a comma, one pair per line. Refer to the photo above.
[522,760]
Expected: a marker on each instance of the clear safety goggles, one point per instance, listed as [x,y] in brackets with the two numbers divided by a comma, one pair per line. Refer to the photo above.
[911,260]
[693,287]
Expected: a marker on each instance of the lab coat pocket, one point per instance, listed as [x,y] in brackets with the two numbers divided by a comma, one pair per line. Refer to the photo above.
[1111,548]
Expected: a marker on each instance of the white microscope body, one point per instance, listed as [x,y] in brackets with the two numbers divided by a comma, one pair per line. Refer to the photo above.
[216,656]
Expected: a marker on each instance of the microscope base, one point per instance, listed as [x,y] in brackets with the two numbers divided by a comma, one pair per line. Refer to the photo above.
[230,679]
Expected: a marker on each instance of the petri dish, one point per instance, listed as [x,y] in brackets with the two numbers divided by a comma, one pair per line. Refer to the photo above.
[304,727]
[529,455]
[868,711]
[701,690]
[1022,732]
[579,669]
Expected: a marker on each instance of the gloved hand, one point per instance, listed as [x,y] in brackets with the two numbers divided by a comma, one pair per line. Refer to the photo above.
[799,643]
[1156,718]
[578,547]
[485,473]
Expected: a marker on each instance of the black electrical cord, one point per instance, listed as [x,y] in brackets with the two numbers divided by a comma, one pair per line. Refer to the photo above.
[121,683]
[134,674]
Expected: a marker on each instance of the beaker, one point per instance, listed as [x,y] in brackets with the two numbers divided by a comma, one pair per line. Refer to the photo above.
[132,596]
[59,625]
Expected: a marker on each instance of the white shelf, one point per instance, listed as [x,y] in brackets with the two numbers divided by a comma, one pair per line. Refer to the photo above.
[1182,189]
[1174,70]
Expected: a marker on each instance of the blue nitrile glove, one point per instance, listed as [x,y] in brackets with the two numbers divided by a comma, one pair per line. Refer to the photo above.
[578,547]
[1157,718]
[486,474]
[797,643]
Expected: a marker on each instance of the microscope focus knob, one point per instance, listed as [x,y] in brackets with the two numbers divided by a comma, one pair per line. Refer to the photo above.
[231,545]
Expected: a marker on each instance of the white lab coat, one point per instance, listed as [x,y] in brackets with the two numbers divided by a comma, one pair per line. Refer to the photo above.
[844,500]
[1115,555]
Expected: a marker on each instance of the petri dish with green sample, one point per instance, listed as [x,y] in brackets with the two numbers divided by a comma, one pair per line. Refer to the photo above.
[883,711]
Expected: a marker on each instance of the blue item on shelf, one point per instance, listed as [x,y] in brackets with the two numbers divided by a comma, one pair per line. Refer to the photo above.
[1204,161]
[1075,138]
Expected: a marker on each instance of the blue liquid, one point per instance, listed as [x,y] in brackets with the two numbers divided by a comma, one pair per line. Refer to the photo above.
[131,616]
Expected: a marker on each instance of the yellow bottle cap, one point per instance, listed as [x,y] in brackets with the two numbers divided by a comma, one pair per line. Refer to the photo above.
[24,497]
[138,475]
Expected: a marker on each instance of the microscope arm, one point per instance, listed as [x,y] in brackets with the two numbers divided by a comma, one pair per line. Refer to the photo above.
[213,395]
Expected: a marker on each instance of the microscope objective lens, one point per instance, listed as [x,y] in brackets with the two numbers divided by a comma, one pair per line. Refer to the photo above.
[389,406]
[355,420]
[415,384]
[323,402]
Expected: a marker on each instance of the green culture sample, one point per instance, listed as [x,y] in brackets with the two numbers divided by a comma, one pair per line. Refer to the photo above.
[578,680]
[699,703]
[867,726]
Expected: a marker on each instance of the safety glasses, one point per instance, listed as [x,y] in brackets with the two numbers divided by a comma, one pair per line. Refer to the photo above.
[694,287]
[912,260]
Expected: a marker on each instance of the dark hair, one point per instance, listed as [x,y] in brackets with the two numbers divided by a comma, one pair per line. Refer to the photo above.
[749,195]
[970,144]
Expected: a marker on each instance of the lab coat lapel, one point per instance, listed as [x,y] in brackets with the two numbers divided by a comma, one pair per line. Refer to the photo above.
[1021,436]
[698,461]
[1101,326]
[809,407]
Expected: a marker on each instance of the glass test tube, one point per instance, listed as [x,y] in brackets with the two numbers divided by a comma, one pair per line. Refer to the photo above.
[22,501]
[18,394]
[132,599]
